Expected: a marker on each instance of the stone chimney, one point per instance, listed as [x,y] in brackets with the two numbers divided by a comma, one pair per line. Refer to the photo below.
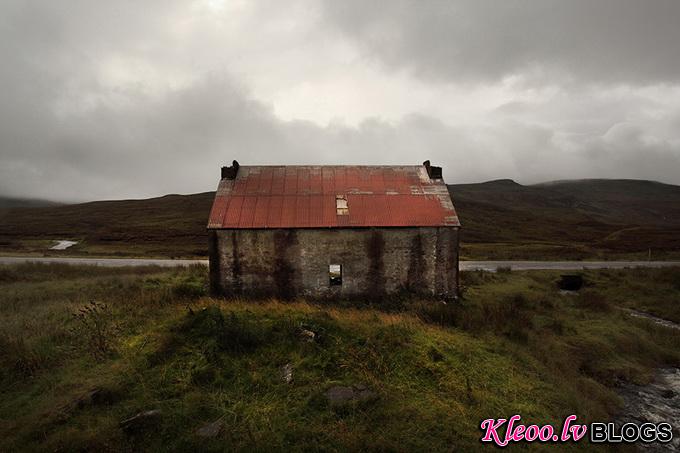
[230,172]
[432,171]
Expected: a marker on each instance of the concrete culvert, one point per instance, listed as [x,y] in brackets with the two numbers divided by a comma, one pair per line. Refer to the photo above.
[571,282]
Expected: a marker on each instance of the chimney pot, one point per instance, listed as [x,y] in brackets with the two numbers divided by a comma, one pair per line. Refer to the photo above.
[230,172]
[432,171]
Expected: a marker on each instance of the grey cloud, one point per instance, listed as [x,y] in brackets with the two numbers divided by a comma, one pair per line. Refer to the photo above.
[177,143]
[621,41]
[68,133]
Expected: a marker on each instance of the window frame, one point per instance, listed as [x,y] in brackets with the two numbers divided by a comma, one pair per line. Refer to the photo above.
[335,276]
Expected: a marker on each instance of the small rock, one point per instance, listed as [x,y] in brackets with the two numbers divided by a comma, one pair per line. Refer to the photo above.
[210,430]
[100,396]
[91,397]
[141,420]
[287,373]
[668,393]
[85,399]
[307,335]
[340,395]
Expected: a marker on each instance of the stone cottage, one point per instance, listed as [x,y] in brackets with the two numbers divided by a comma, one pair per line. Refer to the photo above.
[333,232]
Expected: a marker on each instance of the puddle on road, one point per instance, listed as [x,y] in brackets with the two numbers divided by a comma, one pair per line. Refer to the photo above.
[63,245]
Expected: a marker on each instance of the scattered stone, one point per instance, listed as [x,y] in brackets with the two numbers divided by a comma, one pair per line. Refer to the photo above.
[91,397]
[341,395]
[287,373]
[88,398]
[211,430]
[99,396]
[307,335]
[141,421]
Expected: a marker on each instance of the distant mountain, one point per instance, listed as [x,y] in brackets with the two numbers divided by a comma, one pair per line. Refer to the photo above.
[505,211]
[9,202]
[172,225]
[622,200]
[501,219]
[612,216]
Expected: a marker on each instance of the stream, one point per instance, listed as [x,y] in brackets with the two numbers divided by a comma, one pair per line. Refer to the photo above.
[656,402]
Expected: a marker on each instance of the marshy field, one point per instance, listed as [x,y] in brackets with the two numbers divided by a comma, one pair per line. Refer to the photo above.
[141,358]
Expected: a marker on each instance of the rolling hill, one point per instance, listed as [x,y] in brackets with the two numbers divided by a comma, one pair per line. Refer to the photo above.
[569,219]
[501,219]
[172,225]
[10,202]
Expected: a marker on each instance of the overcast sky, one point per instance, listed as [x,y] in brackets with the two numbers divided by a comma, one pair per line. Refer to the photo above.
[119,99]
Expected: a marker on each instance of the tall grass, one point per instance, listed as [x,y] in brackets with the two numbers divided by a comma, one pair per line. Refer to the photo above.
[512,344]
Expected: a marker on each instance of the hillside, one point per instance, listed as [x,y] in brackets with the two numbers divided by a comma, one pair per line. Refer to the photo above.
[503,210]
[172,225]
[569,219]
[501,220]
[10,202]
[622,200]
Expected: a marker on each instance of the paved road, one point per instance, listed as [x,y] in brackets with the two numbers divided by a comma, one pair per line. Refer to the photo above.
[107,262]
[561,265]
[464,265]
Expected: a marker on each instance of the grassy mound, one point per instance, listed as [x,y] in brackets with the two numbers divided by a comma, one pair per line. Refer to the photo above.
[79,353]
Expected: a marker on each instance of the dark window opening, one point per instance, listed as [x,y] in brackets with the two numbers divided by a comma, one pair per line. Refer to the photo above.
[335,274]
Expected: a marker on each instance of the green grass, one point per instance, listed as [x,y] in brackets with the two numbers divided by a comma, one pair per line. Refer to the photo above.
[513,344]
[655,291]
[560,251]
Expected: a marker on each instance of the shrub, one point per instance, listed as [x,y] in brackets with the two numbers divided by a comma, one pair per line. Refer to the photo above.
[96,326]
[232,333]
[189,289]
[592,300]
[557,326]
[437,313]
[18,357]
[9,274]
[510,315]
[192,283]
[474,278]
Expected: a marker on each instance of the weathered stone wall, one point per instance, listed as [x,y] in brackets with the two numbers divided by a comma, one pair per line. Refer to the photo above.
[295,262]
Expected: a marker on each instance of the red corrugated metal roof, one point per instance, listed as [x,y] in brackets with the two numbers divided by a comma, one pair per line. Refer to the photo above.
[305,197]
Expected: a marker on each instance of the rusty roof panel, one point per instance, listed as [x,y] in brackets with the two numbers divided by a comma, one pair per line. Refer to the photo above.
[219,208]
[233,214]
[261,210]
[305,196]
